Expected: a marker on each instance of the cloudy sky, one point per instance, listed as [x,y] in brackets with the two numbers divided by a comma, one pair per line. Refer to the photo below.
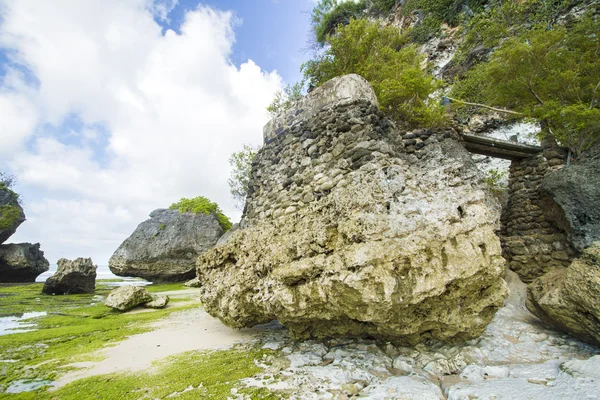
[110,109]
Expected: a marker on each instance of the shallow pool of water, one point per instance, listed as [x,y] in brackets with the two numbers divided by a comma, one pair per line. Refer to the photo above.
[19,323]
[27,385]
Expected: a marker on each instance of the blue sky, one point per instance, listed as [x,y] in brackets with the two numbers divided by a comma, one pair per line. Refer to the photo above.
[113,108]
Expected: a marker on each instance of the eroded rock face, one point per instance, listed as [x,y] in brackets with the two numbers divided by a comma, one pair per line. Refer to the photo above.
[21,262]
[158,301]
[72,277]
[11,213]
[569,298]
[126,297]
[164,248]
[574,197]
[352,229]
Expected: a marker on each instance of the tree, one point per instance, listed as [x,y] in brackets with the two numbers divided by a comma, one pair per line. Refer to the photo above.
[393,67]
[552,76]
[239,181]
[284,99]
[329,14]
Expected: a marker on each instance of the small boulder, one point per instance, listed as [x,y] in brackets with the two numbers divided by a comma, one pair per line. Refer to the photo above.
[165,247]
[11,213]
[158,301]
[568,298]
[193,283]
[126,297]
[21,262]
[72,277]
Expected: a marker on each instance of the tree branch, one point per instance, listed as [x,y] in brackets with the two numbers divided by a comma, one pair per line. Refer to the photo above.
[594,96]
[486,106]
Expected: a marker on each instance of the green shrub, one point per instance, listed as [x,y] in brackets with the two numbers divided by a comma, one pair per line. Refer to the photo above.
[203,205]
[9,215]
[393,67]
[284,99]
[329,14]
[552,76]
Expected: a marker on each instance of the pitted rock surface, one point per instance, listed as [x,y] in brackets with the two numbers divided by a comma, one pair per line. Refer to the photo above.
[126,297]
[72,277]
[347,232]
[21,262]
[164,248]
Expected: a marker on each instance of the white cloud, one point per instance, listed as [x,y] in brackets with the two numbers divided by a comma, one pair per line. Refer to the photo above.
[173,105]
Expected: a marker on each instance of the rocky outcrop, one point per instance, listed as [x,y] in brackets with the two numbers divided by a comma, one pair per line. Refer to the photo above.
[164,248]
[126,297]
[72,277]
[21,262]
[11,213]
[353,228]
[568,298]
[158,301]
[572,199]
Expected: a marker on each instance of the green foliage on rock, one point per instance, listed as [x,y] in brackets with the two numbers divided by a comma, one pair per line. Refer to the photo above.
[9,215]
[392,66]
[328,15]
[203,205]
[552,76]
[284,99]
[241,164]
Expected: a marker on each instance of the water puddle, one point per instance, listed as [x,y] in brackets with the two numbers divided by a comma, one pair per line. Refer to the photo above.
[19,323]
[27,385]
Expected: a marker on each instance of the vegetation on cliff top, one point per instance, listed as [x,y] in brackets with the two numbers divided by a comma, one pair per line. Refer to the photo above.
[9,213]
[241,164]
[203,205]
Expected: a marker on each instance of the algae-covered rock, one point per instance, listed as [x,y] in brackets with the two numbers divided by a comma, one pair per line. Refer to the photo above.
[569,298]
[21,262]
[164,248]
[349,232]
[11,213]
[158,301]
[72,277]
[126,297]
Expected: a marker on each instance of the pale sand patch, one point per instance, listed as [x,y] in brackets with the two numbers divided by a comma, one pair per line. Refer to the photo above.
[179,332]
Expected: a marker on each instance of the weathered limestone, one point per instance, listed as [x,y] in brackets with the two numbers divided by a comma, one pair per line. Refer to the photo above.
[126,297]
[72,277]
[352,229]
[158,301]
[21,262]
[164,248]
[569,298]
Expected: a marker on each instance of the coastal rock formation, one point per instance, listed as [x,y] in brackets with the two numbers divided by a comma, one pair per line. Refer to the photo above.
[569,298]
[21,262]
[11,213]
[72,277]
[164,248]
[573,199]
[126,297]
[353,228]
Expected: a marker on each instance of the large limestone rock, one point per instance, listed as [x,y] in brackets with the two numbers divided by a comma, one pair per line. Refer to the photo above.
[573,199]
[21,262]
[11,213]
[126,297]
[72,277]
[354,230]
[569,298]
[164,248]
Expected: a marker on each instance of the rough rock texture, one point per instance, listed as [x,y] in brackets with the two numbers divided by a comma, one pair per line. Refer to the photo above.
[158,301]
[11,213]
[126,297]
[573,199]
[72,277]
[21,262]
[532,243]
[353,229]
[569,298]
[164,248]
[193,283]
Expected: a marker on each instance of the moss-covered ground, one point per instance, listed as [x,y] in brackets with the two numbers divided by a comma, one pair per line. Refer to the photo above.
[78,325]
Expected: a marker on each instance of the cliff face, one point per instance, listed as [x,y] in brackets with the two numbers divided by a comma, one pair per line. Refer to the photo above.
[353,229]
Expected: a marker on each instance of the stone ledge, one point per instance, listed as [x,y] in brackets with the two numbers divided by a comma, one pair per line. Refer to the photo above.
[341,90]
